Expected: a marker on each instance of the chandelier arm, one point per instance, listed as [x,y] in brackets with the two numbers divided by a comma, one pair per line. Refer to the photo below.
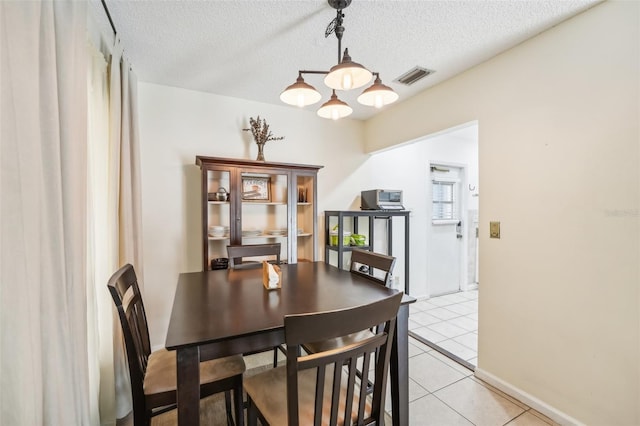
[300,72]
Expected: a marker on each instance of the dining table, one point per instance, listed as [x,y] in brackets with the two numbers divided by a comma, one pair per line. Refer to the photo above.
[220,313]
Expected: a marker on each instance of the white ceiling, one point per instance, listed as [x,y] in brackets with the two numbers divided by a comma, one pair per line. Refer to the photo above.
[254,49]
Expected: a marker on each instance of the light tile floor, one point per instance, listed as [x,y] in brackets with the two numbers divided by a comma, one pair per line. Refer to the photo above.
[443,393]
[450,322]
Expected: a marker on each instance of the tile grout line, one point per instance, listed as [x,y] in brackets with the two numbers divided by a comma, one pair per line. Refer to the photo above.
[445,403]
[462,300]
[524,410]
[443,351]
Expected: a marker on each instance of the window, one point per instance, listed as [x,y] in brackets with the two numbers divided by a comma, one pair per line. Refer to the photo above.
[443,200]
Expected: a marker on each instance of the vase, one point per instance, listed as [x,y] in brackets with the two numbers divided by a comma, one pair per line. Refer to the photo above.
[260,152]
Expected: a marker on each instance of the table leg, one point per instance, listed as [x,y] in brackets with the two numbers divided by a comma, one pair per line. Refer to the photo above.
[188,393]
[400,369]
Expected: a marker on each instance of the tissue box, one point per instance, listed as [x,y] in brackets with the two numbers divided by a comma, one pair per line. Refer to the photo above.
[265,275]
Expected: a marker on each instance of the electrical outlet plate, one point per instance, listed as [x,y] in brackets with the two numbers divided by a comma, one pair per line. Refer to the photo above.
[494,229]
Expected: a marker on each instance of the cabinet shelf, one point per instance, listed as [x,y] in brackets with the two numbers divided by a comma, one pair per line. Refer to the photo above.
[271,236]
[265,203]
[347,248]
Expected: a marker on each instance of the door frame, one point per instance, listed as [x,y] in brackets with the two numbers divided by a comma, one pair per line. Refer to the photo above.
[464,203]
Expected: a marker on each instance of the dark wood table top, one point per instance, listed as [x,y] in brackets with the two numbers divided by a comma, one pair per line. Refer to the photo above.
[212,306]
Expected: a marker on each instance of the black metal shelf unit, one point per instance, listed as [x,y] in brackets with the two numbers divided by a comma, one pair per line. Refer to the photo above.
[372,215]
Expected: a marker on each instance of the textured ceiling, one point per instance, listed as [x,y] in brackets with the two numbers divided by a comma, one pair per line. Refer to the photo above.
[254,49]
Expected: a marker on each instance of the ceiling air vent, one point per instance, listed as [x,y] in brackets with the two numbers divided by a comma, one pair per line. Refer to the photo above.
[413,75]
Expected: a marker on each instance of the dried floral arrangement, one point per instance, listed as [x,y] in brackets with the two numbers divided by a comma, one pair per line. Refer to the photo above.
[261,134]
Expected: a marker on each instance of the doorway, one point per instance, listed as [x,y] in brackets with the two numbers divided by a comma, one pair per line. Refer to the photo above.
[455,148]
[447,319]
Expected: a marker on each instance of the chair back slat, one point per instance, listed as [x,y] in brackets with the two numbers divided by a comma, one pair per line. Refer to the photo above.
[123,286]
[381,367]
[137,325]
[317,417]
[335,393]
[351,382]
[305,328]
[237,253]
[363,389]
[374,262]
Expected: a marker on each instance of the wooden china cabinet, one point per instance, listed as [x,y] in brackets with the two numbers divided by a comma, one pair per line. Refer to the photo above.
[266,203]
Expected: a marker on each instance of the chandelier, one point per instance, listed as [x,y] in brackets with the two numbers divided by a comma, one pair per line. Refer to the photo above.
[346,75]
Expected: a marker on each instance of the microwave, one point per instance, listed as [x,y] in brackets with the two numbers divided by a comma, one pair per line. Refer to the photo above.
[381,199]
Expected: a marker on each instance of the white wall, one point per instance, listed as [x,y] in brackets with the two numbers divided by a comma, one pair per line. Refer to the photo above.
[175,126]
[559,313]
[406,167]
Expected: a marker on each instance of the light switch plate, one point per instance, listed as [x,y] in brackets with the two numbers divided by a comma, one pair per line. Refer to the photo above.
[494,229]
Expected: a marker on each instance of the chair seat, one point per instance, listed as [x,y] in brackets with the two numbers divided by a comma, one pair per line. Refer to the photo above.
[269,392]
[338,342]
[161,377]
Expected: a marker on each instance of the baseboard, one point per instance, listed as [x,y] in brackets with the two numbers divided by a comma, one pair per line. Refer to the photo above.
[526,398]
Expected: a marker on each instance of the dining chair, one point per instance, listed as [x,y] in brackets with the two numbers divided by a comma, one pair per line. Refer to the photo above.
[372,262]
[359,258]
[366,263]
[237,253]
[318,389]
[153,374]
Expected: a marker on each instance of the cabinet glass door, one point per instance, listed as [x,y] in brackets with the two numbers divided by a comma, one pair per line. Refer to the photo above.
[218,214]
[264,209]
[305,223]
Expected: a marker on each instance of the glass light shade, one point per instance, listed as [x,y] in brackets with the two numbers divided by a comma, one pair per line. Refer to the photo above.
[334,108]
[347,74]
[300,94]
[377,95]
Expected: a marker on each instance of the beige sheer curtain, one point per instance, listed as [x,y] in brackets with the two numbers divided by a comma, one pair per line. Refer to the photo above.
[44,364]
[114,210]
[69,216]
[124,199]
[102,262]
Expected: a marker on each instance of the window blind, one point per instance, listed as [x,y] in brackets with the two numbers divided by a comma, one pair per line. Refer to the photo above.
[443,200]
